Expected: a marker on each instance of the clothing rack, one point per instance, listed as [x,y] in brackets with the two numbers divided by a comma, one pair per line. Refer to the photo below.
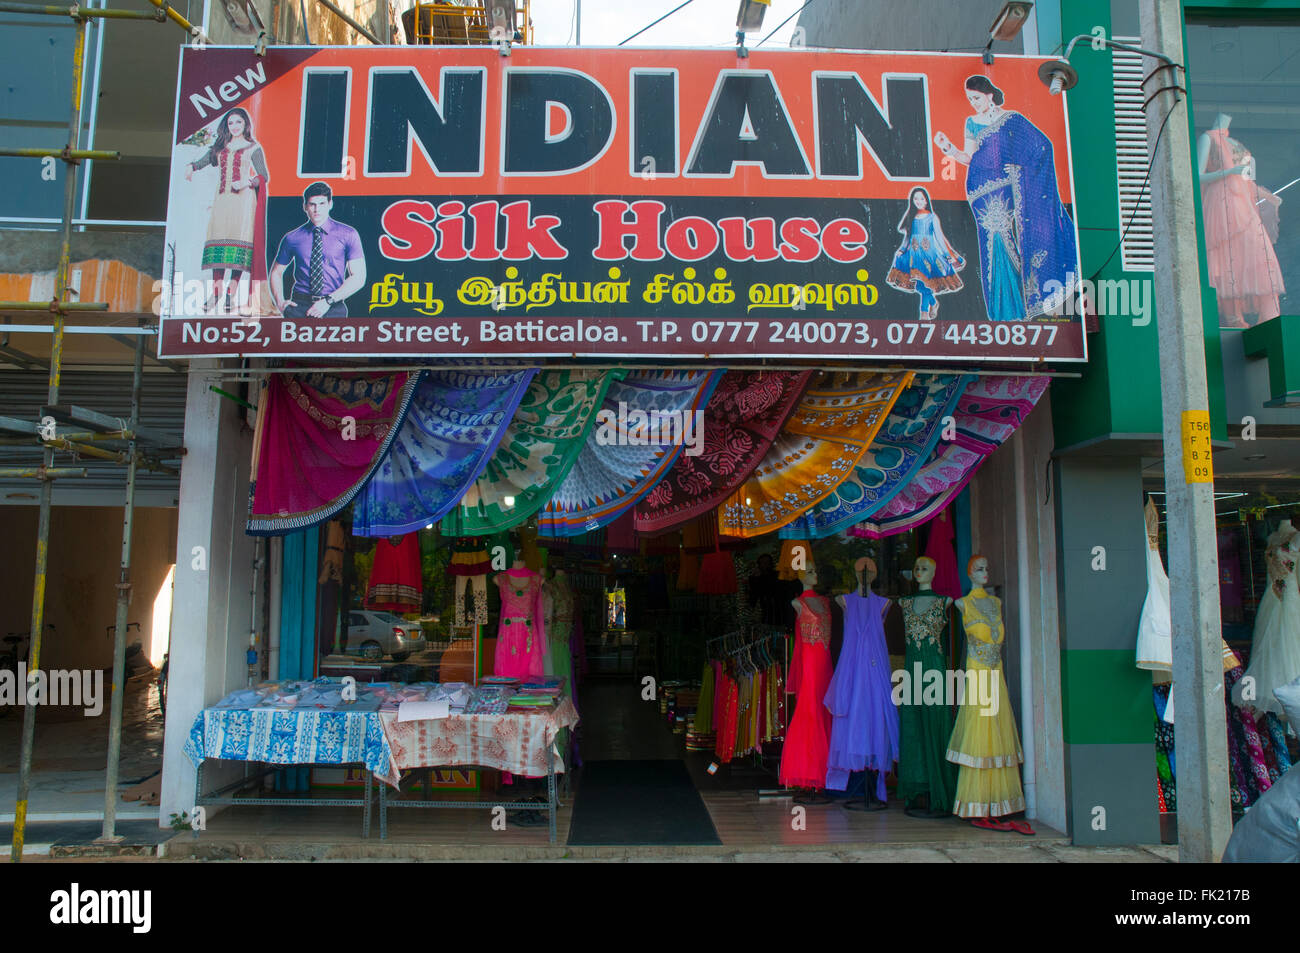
[744,640]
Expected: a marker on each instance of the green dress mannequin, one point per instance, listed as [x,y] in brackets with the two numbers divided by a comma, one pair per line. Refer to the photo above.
[927,780]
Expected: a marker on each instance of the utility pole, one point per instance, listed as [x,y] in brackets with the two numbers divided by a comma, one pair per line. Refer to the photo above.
[1204,811]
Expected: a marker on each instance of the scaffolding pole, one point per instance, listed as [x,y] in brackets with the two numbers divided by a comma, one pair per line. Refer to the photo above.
[47,472]
[109,834]
[61,291]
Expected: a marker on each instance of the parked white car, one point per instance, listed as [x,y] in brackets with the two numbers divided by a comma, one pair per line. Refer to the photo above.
[373,634]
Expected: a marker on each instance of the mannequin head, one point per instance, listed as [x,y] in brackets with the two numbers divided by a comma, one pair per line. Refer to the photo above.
[1222,121]
[923,572]
[978,571]
[809,577]
[865,569]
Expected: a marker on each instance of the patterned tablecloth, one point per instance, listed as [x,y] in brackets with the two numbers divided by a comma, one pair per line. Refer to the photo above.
[274,736]
[513,741]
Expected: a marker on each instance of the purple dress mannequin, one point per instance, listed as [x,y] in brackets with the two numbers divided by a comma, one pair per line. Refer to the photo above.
[864,725]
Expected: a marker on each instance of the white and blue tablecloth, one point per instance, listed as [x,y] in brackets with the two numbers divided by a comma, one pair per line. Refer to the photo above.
[274,736]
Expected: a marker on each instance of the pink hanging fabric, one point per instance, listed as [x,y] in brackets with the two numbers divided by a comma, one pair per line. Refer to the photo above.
[319,438]
[939,547]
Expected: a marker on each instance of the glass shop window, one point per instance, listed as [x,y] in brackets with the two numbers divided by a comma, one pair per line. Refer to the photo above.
[1244,77]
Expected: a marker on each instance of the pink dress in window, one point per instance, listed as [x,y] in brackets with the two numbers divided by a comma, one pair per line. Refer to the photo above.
[521,637]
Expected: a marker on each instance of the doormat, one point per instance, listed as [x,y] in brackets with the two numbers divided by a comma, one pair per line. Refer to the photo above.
[639,803]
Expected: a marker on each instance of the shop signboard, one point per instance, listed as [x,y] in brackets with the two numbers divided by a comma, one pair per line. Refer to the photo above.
[618,203]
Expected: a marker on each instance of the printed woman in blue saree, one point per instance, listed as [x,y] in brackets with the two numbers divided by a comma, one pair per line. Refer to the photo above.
[1028,253]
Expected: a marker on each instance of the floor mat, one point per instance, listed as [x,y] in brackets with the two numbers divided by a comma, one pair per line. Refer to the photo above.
[639,803]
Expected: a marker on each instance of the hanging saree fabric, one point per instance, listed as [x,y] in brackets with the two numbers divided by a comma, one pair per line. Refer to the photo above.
[396,582]
[549,430]
[901,448]
[622,461]
[455,422]
[823,440]
[987,414]
[319,438]
[741,420]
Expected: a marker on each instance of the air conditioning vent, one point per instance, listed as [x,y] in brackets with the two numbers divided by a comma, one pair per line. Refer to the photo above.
[1132,159]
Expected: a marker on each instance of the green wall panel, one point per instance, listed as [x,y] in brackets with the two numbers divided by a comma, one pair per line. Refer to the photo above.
[1105,698]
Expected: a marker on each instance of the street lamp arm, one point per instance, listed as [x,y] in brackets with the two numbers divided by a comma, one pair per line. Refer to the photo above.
[1088,37]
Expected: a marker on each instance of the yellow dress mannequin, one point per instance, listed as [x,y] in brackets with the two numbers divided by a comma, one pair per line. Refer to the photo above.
[985,745]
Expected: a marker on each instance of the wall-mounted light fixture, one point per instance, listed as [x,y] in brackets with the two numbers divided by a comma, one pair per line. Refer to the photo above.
[1007,24]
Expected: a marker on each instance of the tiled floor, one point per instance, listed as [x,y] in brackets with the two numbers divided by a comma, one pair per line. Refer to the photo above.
[617,724]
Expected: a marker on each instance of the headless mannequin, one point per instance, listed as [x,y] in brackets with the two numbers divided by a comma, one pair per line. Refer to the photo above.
[812,796]
[918,602]
[865,570]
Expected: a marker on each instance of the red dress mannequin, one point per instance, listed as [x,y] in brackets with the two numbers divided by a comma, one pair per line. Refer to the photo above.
[807,741]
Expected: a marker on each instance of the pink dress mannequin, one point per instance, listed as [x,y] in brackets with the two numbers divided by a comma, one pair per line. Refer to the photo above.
[521,637]
[1243,266]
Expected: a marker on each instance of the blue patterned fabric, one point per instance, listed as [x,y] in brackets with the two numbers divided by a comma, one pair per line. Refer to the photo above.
[900,449]
[274,736]
[454,424]
[615,470]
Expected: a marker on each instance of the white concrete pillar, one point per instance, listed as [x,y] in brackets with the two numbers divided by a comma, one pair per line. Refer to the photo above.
[210,609]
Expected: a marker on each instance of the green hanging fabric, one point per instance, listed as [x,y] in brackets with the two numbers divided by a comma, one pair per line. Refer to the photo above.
[538,449]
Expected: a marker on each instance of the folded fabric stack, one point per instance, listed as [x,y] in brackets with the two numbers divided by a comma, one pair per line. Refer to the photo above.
[490,700]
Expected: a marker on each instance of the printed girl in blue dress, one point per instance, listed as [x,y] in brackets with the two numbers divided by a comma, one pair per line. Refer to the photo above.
[925,262]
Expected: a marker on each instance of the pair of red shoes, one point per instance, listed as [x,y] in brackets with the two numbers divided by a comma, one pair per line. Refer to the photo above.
[992,824]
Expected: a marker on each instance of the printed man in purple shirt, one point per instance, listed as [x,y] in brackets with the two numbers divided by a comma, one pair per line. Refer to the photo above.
[328,261]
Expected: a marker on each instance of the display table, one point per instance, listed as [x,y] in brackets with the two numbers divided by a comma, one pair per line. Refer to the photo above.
[521,742]
[303,737]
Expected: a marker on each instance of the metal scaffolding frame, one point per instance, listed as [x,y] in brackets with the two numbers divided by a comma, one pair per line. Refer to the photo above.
[124,438]
[119,441]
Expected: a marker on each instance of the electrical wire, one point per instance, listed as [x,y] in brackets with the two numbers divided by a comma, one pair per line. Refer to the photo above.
[660,20]
[1145,182]
[807,4]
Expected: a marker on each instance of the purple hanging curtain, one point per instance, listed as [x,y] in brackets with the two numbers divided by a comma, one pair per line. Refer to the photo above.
[454,424]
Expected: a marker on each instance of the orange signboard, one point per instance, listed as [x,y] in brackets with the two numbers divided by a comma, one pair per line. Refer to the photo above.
[619,203]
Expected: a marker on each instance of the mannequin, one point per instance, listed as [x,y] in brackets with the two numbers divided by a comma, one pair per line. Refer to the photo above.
[1275,649]
[1243,266]
[807,741]
[522,649]
[927,780]
[864,719]
[985,746]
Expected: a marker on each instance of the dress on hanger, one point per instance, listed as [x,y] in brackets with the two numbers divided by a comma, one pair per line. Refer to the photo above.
[1155,627]
[1242,263]
[864,719]
[924,729]
[521,638]
[1275,649]
[396,583]
[986,747]
[807,741]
